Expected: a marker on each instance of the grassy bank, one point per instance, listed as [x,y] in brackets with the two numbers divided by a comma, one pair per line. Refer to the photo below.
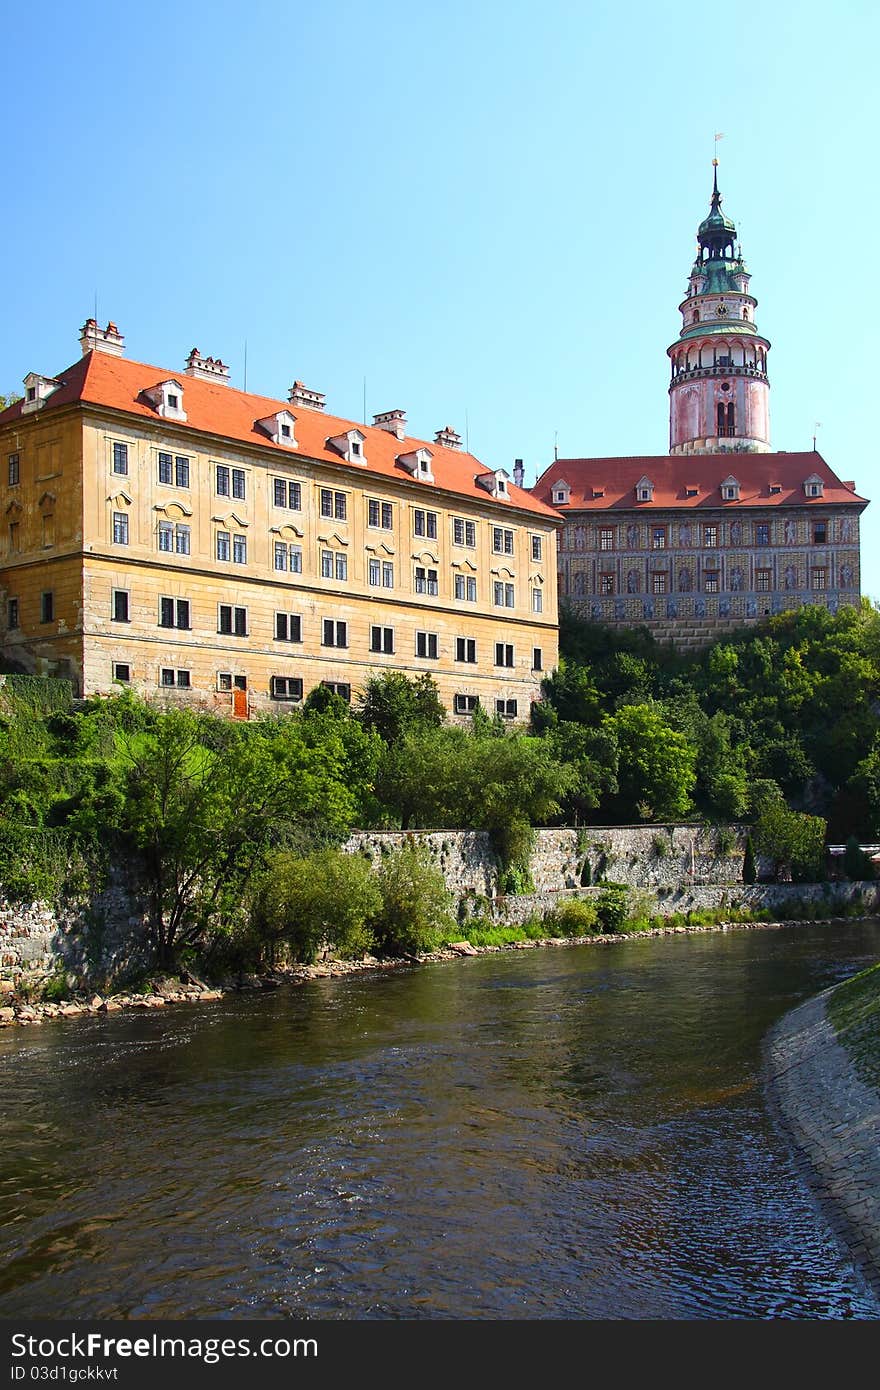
[854,1011]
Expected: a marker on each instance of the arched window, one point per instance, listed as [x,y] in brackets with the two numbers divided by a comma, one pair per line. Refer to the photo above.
[696,317]
[745,313]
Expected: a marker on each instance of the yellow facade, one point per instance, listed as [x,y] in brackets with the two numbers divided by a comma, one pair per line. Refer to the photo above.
[127,523]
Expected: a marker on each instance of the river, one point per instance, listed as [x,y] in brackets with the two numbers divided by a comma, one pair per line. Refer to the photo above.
[565,1132]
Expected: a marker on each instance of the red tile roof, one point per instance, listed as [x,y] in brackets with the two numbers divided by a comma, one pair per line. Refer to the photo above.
[675,476]
[215,408]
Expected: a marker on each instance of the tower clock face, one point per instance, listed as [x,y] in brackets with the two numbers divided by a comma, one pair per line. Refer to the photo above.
[721,310]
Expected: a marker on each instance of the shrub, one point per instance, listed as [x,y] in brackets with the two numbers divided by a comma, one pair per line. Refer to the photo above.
[725,839]
[314,900]
[855,862]
[612,907]
[659,846]
[576,917]
[414,911]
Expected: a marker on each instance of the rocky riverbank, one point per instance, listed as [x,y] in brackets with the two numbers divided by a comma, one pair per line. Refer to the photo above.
[832,1121]
[173,991]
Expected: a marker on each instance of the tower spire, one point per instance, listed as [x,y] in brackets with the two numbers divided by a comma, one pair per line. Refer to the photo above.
[719,395]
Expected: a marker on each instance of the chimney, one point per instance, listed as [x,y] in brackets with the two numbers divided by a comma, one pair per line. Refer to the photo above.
[447,438]
[301,395]
[394,421]
[519,473]
[95,339]
[206,368]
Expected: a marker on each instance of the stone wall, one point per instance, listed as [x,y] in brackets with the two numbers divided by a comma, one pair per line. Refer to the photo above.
[644,856]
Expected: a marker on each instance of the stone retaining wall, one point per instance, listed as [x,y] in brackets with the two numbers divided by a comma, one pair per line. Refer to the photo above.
[832,1119]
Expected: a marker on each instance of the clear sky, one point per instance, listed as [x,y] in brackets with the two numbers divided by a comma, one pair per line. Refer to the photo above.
[486,209]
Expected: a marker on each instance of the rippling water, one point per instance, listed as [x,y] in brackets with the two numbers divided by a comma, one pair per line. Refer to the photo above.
[571,1132]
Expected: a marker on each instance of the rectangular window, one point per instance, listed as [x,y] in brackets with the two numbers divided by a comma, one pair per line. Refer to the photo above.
[658,583]
[287,688]
[382,640]
[464,532]
[710,581]
[14,537]
[326,564]
[333,504]
[466,587]
[239,550]
[606,583]
[288,627]
[537,600]
[426,581]
[334,634]
[174,612]
[820,532]
[387,574]
[503,654]
[498,593]
[166,467]
[424,523]
[465,649]
[181,471]
[169,677]
[122,672]
[47,526]
[12,613]
[658,537]
[817,578]
[286,493]
[14,462]
[537,548]
[295,558]
[762,533]
[459,587]
[374,572]
[710,535]
[502,540]
[223,549]
[537,659]
[341,566]
[181,539]
[166,535]
[120,528]
[120,606]
[380,514]
[426,645]
[120,458]
[238,487]
[606,538]
[222,479]
[465,704]
[47,607]
[509,596]
[232,621]
[287,557]
[227,681]
[506,708]
[762,581]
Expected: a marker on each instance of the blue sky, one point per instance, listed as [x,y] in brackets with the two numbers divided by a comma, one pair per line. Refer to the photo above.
[487,210]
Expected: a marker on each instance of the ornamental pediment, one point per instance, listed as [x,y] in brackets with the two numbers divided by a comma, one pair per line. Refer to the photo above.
[172,509]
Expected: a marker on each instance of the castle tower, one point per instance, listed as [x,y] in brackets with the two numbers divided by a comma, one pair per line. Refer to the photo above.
[719,396]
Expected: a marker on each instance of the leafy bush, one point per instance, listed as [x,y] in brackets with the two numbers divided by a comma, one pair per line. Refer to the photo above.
[856,863]
[573,917]
[612,907]
[414,912]
[325,899]
[659,846]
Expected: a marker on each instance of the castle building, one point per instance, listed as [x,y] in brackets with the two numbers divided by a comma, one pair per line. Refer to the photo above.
[164,531]
[722,530]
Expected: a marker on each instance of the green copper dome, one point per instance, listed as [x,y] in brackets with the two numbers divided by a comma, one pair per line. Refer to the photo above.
[716,232]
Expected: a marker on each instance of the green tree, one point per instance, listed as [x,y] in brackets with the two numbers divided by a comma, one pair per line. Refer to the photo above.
[393,704]
[656,766]
[794,842]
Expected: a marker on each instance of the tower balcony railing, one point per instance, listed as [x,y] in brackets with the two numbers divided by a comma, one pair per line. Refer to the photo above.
[718,369]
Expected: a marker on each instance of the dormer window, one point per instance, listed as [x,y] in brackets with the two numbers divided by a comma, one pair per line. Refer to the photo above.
[813,486]
[37,390]
[730,490]
[560,493]
[644,490]
[167,399]
[279,428]
[775,488]
[418,463]
[350,445]
[494,483]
